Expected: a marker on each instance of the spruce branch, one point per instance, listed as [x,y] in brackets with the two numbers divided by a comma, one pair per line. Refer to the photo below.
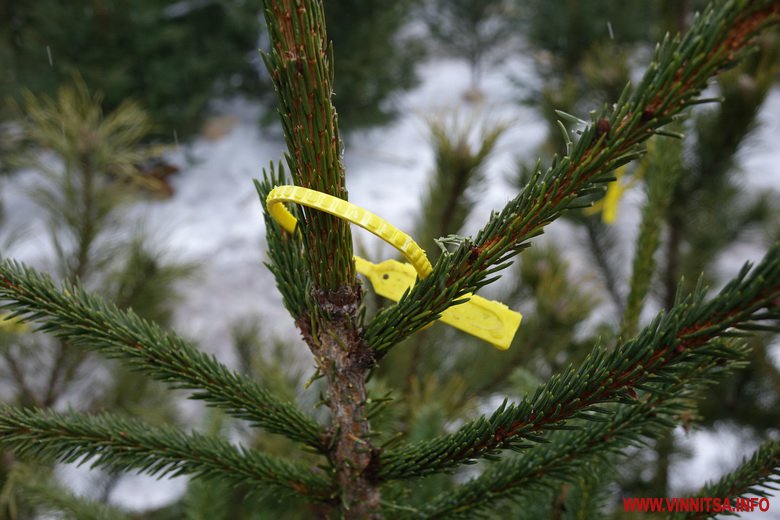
[567,455]
[679,71]
[762,470]
[87,321]
[301,65]
[120,444]
[562,460]
[683,335]
[285,253]
[664,168]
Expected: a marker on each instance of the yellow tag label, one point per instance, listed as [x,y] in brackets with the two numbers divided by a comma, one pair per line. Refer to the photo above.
[611,202]
[12,325]
[488,320]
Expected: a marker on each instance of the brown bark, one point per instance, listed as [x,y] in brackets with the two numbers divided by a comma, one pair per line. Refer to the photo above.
[344,359]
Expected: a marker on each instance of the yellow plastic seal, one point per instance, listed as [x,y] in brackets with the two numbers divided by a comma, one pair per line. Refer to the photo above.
[488,320]
[347,211]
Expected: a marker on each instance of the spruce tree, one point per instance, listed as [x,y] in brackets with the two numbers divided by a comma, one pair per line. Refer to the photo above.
[583,417]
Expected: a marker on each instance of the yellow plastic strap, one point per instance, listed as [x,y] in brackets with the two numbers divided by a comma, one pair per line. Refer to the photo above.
[347,211]
[488,320]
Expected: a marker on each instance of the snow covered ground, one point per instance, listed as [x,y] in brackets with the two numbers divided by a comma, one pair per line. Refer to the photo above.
[215,219]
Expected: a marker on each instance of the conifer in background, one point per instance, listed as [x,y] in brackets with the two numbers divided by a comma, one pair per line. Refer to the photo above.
[568,29]
[376,60]
[90,165]
[176,57]
[567,430]
[476,30]
[173,57]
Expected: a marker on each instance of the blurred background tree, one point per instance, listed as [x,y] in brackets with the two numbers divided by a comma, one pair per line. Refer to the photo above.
[176,57]
[173,57]
[475,30]
[89,166]
[376,60]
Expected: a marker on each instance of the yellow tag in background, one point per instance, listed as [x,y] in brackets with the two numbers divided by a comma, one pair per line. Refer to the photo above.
[12,325]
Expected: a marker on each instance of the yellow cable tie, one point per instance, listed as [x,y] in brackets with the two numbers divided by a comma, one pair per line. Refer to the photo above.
[345,210]
[489,320]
